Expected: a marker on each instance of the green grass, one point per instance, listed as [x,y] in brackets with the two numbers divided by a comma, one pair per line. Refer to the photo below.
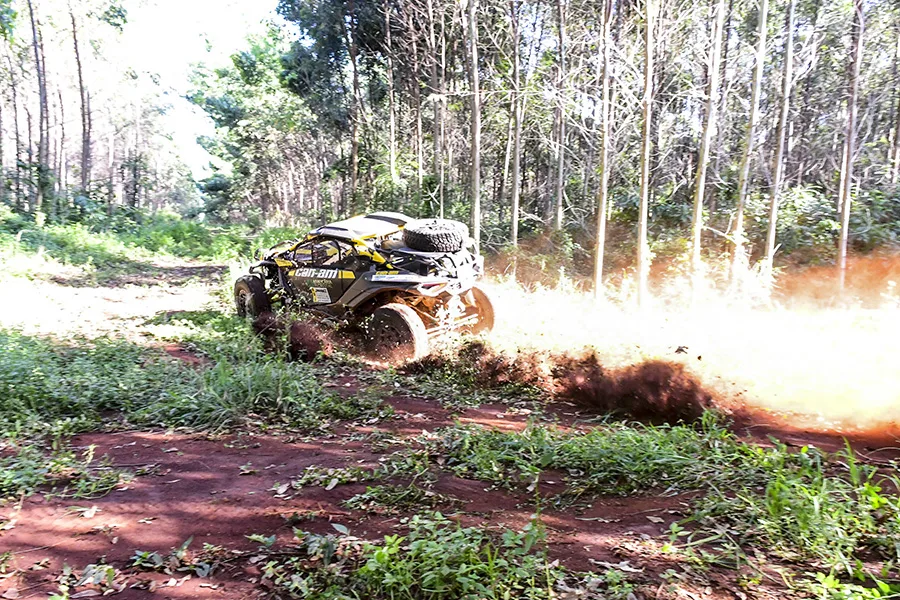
[436,560]
[837,513]
[60,389]
[127,242]
[616,458]
[57,470]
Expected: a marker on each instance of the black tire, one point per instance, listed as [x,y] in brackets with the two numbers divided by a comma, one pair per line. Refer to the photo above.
[250,297]
[396,333]
[480,304]
[435,235]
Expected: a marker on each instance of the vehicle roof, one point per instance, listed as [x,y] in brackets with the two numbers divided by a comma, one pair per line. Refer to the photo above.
[365,226]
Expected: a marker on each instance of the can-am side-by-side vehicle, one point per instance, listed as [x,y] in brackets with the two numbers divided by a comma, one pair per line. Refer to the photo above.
[401,279]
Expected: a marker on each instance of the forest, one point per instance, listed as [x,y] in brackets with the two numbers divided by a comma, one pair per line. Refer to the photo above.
[732,129]
[685,385]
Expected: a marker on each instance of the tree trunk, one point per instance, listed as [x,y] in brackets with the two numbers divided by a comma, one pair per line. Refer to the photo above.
[475,175]
[504,175]
[392,150]
[561,110]
[603,193]
[895,156]
[442,107]
[417,99]
[18,135]
[517,124]
[643,249]
[435,96]
[43,141]
[723,109]
[85,113]
[110,168]
[856,36]
[62,161]
[350,34]
[712,104]
[3,189]
[739,258]
[786,83]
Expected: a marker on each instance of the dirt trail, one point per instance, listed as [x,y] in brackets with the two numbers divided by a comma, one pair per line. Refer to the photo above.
[219,490]
[71,303]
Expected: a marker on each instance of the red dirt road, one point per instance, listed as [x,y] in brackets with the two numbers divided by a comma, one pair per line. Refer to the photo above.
[193,486]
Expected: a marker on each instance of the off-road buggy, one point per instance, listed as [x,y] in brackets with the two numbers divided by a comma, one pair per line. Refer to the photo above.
[400,280]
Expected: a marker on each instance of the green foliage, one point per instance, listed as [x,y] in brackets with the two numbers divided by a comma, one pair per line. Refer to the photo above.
[179,560]
[616,458]
[829,587]
[328,478]
[130,239]
[60,471]
[807,219]
[810,510]
[391,499]
[51,387]
[436,560]
[7,18]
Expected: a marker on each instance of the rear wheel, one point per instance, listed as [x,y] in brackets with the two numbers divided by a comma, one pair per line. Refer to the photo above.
[250,296]
[480,305]
[397,333]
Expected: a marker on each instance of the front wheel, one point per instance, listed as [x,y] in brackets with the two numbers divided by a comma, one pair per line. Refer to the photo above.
[480,306]
[396,333]
[250,297]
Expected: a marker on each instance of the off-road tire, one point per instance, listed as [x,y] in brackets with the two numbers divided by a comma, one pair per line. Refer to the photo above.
[435,235]
[396,333]
[481,306]
[250,297]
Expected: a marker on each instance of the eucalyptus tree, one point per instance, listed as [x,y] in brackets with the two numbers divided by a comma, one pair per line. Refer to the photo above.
[856,55]
[739,256]
[778,178]
[643,246]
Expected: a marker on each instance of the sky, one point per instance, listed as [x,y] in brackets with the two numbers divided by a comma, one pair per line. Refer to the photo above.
[168,37]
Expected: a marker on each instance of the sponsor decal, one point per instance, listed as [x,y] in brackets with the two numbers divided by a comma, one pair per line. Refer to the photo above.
[317,273]
[392,277]
[320,295]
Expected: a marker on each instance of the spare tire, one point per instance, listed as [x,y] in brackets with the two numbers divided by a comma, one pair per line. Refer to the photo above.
[435,235]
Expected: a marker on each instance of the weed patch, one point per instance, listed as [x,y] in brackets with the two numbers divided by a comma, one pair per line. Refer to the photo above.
[470,373]
[393,499]
[838,514]
[59,471]
[65,389]
[436,560]
[617,458]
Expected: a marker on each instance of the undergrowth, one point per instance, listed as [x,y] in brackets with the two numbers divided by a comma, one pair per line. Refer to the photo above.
[60,471]
[615,458]
[437,559]
[131,235]
[63,389]
[837,514]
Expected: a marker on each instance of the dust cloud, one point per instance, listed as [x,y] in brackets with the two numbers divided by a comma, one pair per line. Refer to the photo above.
[809,356]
